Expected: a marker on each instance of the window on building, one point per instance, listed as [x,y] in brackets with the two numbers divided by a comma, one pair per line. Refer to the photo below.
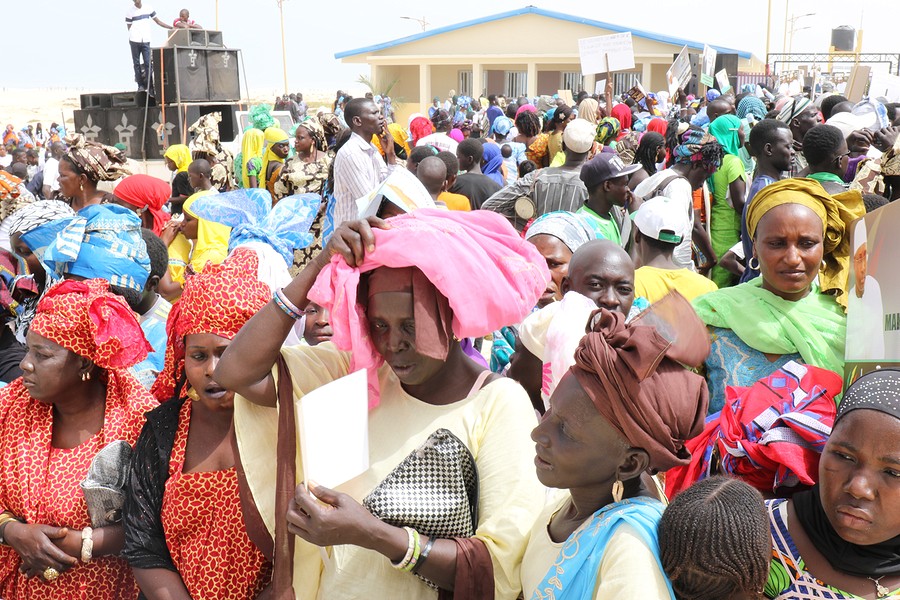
[572,81]
[516,83]
[624,81]
[464,85]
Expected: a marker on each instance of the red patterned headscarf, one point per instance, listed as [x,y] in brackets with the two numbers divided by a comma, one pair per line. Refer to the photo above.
[219,301]
[85,318]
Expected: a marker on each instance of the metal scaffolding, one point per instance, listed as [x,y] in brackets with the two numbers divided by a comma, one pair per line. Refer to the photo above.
[826,60]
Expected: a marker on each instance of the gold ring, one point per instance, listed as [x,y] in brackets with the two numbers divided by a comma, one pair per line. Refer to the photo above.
[50,574]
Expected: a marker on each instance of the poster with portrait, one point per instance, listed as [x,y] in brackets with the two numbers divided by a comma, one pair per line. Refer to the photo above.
[873,312]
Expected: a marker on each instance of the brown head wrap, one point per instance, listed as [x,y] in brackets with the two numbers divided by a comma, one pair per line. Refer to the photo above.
[431,309]
[651,400]
[98,161]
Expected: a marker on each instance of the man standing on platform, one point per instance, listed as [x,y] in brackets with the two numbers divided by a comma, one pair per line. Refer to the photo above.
[138,20]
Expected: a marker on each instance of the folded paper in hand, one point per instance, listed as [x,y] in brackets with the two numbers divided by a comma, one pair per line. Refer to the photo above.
[333,427]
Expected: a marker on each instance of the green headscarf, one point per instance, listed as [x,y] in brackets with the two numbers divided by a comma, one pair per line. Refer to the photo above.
[815,326]
[725,130]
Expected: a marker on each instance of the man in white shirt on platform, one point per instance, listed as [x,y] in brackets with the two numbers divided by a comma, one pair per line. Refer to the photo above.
[138,20]
[358,166]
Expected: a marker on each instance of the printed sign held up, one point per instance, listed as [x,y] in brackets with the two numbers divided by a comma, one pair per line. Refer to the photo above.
[679,74]
[722,79]
[617,49]
[707,73]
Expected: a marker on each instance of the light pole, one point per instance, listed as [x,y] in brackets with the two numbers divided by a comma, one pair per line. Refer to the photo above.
[794,29]
[421,21]
[283,47]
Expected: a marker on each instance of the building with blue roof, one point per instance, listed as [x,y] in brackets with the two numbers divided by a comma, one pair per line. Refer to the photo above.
[528,51]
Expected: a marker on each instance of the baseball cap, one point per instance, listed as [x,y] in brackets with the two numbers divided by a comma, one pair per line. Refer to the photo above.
[662,219]
[579,135]
[606,165]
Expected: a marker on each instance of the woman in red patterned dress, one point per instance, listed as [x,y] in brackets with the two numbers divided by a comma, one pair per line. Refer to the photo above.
[184,527]
[74,398]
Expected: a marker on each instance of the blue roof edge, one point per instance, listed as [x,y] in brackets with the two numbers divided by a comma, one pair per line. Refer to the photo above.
[545,13]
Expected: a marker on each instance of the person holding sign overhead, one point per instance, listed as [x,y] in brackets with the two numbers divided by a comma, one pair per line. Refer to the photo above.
[369,538]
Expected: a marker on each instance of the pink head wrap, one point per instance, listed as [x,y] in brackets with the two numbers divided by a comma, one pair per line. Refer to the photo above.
[526,108]
[481,256]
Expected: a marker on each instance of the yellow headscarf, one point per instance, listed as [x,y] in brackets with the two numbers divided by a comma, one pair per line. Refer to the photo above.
[211,244]
[252,145]
[398,133]
[180,155]
[273,136]
[837,213]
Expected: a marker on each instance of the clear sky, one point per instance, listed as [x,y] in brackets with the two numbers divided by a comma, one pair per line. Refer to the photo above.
[85,43]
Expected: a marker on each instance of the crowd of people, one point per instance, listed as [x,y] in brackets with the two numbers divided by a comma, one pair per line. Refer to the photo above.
[603,344]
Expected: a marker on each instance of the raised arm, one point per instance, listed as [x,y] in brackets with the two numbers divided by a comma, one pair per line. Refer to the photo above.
[246,365]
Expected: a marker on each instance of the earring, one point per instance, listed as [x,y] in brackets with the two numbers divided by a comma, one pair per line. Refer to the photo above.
[81,185]
[618,491]
[86,376]
[192,394]
[750,263]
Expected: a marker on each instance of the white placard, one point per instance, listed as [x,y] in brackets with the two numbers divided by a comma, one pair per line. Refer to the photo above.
[679,74]
[333,427]
[722,79]
[708,70]
[600,88]
[595,50]
[885,85]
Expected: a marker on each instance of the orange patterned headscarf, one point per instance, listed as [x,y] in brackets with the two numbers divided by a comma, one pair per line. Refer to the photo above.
[87,319]
[219,301]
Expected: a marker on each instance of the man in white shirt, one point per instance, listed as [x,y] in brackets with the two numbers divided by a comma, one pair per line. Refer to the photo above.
[139,29]
[51,171]
[358,166]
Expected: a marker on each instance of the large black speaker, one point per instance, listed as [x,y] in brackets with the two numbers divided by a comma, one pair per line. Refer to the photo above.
[729,62]
[163,130]
[224,77]
[93,124]
[184,68]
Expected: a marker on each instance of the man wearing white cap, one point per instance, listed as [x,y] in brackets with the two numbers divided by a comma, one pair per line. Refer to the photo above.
[550,189]
[660,224]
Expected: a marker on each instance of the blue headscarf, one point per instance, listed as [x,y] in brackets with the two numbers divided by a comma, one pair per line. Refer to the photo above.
[493,161]
[250,214]
[100,241]
[751,105]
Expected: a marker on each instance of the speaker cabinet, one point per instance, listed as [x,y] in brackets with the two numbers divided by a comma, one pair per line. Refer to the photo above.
[224,76]
[181,75]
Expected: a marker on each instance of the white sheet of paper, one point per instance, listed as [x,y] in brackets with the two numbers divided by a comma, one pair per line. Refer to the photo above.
[333,427]
[600,87]
[679,74]
[593,52]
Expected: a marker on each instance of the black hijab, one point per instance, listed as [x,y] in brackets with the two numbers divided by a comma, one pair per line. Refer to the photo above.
[880,391]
